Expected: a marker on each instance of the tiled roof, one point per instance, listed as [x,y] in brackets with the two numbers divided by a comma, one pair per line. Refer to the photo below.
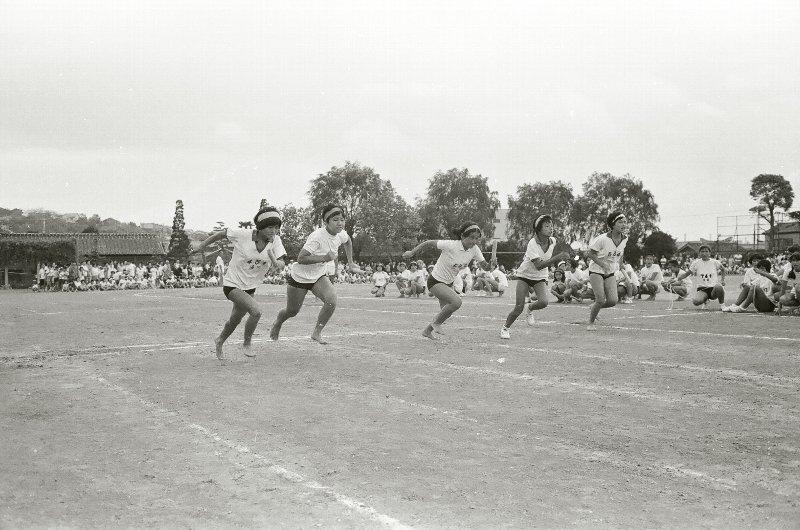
[102,244]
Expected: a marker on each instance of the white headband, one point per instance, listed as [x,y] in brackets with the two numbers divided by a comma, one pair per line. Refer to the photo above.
[617,218]
[267,215]
[470,227]
[332,213]
[536,222]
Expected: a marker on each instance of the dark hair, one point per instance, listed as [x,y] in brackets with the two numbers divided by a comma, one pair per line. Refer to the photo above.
[795,257]
[612,218]
[270,221]
[464,230]
[328,208]
[793,249]
[542,219]
[673,263]
[764,264]
[557,272]
[702,247]
[756,257]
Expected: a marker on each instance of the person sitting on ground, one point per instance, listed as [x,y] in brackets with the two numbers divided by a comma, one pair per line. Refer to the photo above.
[651,276]
[788,296]
[759,291]
[379,280]
[559,286]
[403,280]
[675,286]
[750,276]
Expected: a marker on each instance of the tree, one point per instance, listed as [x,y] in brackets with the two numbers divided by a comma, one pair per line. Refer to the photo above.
[454,197]
[91,229]
[532,200]
[660,244]
[604,193]
[179,244]
[296,225]
[263,204]
[390,226]
[365,197]
[771,192]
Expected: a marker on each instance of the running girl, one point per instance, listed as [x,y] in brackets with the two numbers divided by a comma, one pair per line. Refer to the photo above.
[455,256]
[254,253]
[309,273]
[605,252]
[534,271]
[710,278]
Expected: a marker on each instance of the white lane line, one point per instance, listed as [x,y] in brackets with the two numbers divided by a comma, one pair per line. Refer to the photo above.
[275,469]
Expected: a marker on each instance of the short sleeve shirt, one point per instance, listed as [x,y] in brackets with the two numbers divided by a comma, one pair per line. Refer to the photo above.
[453,258]
[647,272]
[605,248]
[248,266]
[706,272]
[533,252]
[319,243]
[380,278]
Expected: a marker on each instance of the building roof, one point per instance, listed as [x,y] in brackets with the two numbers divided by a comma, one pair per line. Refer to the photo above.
[785,228]
[101,244]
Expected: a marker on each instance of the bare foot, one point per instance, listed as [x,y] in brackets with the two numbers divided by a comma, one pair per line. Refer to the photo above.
[428,332]
[275,331]
[437,328]
[317,336]
[218,347]
[248,352]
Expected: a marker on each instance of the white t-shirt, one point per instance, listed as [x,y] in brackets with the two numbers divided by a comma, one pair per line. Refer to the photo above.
[319,243]
[420,276]
[405,275]
[248,266]
[647,272]
[605,248]
[629,274]
[750,276]
[453,258]
[501,278]
[763,282]
[706,272]
[532,252]
[380,278]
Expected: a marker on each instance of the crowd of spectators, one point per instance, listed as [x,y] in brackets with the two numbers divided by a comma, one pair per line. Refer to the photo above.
[111,276]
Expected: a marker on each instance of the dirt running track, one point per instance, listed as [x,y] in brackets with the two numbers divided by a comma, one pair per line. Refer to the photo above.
[115,412]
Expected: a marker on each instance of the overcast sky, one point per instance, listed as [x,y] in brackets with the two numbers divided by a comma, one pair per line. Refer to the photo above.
[119,108]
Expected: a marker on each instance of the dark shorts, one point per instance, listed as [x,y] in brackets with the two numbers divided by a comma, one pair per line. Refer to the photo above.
[531,283]
[227,290]
[604,276]
[708,290]
[433,281]
[294,283]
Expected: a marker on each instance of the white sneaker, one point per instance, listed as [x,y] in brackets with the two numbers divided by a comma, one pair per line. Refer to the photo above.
[726,308]
[504,333]
[530,319]
[735,308]
[591,327]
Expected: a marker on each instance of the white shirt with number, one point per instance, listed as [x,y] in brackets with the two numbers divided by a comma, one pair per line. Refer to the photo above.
[706,272]
[532,252]
[248,266]
[319,243]
[453,258]
[605,248]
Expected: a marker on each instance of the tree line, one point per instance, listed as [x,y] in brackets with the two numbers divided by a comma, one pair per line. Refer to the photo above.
[382,224]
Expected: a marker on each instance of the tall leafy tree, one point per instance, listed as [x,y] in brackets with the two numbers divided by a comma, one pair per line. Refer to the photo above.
[390,226]
[604,193]
[771,192]
[364,196]
[179,244]
[296,225]
[660,244]
[454,197]
[532,200]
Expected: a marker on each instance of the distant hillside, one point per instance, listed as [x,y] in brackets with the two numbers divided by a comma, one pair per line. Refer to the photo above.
[38,220]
